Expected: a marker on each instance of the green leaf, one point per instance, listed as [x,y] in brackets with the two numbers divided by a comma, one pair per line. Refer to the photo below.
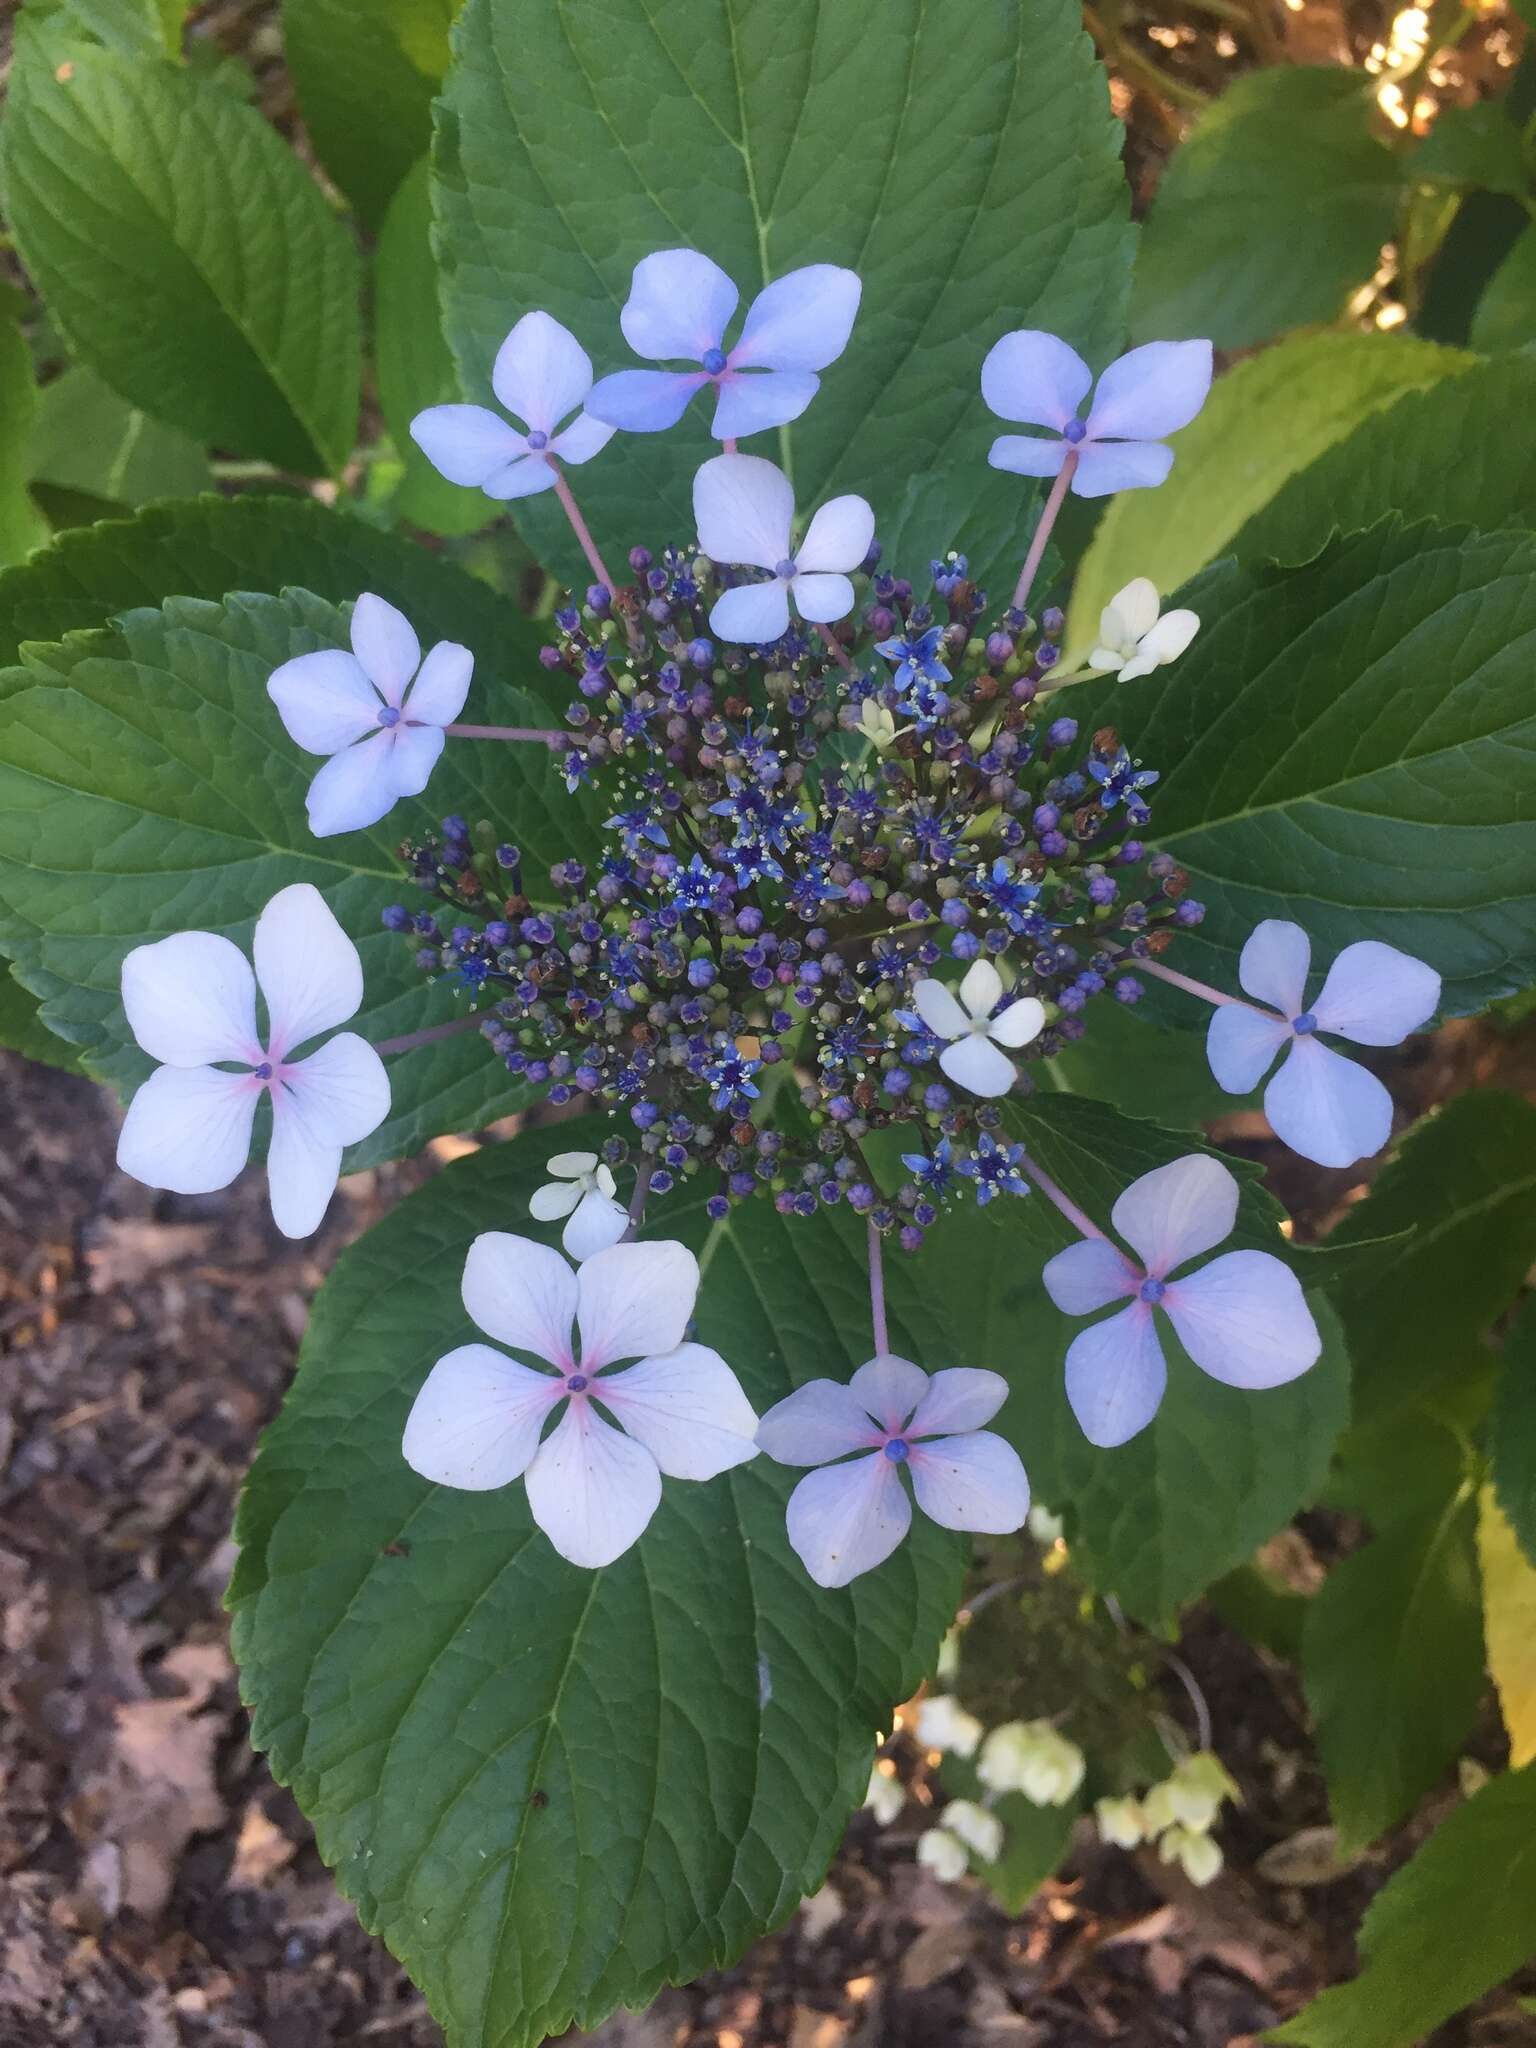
[143,29]
[414,366]
[548,1790]
[1506,312]
[147,786]
[185,253]
[1392,1664]
[1345,745]
[1269,417]
[1445,1928]
[1512,1429]
[207,546]
[365,72]
[1139,1068]
[22,526]
[87,439]
[1463,1186]
[1475,146]
[776,137]
[23,1030]
[1249,234]
[1393,462]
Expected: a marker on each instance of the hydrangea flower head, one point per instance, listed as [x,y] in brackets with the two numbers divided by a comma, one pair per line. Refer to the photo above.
[848,1516]
[1034,1758]
[745,509]
[1134,638]
[1319,1103]
[1149,393]
[973,1035]
[1243,1318]
[378,712]
[679,306]
[583,1193]
[480,1418]
[542,375]
[191,1003]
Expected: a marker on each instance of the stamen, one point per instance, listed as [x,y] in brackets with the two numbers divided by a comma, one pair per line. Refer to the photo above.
[264,1071]
[577,1383]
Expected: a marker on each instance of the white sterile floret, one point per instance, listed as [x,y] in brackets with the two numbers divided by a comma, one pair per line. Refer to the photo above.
[480,1418]
[943,1724]
[583,1192]
[1121,1821]
[1193,1796]
[971,1057]
[379,712]
[541,375]
[1199,1856]
[942,1853]
[1133,639]
[1034,1758]
[745,509]
[191,1003]
[980,1830]
[886,1796]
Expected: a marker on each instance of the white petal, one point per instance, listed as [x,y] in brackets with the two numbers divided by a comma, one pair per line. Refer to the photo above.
[303,1166]
[308,969]
[592,1490]
[552,1201]
[476,1422]
[354,789]
[821,599]
[743,507]
[959,1398]
[679,303]
[385,643]
[1106,657]
[1019,1024]
[846,1519]
[937,1007]
[839,535]
[1241,1044]
[634,1301]
[1326,1107]
[801,321]
[1177,1211]
[643,401]
[466,443]
[572,1165]
[970,1482]
[976,1064]
[191,1000]
[1089,1275]
[541,372]
[414,751]
[324,700]
[1273,964]
[1375,995]
[1244,1320]
[981,989]
[817,1422]
[341,1091]
[752,614]
[1107,466]
[522,1293]
[889,1388]
[598,1222]
[1116,1375]
[585,437]
[1167,639]
[188,1129]
[524,478]
[1027,454]
[687,1408]
[752,401]
[1130,614]
[1036,378]
[1152,391]
[437,695]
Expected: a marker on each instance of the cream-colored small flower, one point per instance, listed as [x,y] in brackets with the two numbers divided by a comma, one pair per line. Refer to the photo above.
[878,726]
[886,1796]
[1133,639]
[980,1830]
[1031,1757]
[1045,1527]
[942,1853]
[1197,1788]
[942,1723]
[583,1191]
[1198,1855]
[1121,1821]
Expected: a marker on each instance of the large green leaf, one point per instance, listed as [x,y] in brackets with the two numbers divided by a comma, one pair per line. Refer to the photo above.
[1347,744]
[1394,462]
[550,1791]
[22,526]
[184,251]
[1512,1430]
[23,1030]
[972,179]
[1269,417]
[147,786]
[1506,312]
[365,72]
[1444,1929]
[87,439]
[1250,234]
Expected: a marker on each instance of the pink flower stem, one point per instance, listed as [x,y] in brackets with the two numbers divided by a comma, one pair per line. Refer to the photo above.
[1053,505]
[643,1174]
[545,736]
[1064,1203]
[877,1293]
[428,1037]
[582,532]
[1202,989]
[728,445]
[835,645]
